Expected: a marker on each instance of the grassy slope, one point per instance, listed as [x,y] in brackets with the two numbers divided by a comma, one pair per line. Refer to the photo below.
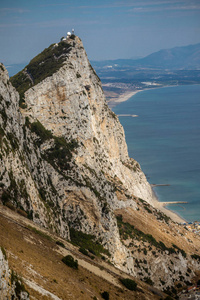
[36,257]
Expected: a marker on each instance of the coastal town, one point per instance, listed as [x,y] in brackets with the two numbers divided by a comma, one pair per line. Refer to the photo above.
[193,227]
[192,292]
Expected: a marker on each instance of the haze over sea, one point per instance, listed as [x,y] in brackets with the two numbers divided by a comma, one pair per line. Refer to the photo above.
[165,140]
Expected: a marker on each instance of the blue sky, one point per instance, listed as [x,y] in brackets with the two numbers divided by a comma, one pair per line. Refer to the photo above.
[109,29]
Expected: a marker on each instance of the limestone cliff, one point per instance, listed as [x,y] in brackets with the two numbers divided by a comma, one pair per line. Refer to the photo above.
[80,166]
[63,156]
[10,286]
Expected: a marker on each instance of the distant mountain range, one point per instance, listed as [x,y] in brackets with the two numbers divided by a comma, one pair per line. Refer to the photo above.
[178,58]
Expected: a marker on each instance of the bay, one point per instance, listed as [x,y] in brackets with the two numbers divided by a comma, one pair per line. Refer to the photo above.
[165,140]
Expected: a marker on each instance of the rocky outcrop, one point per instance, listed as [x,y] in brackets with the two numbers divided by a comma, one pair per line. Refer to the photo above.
[6,290]
[70,161]
[63,157]
[71,104]
[10,286]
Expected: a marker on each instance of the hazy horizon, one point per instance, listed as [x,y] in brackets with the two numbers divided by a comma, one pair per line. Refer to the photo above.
[109,29]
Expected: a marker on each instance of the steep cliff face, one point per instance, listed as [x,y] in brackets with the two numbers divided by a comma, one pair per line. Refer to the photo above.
[75,151]
[63,156]
[71,104]
[17,185]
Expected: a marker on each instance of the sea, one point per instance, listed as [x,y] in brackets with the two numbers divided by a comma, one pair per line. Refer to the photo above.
[165,139]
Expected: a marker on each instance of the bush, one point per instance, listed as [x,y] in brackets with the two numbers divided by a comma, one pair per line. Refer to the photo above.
[22,212]
[105,295]
[5,197]
[87,241]
[180,250]
[129,284]
[19,285]
[195,256]
[70,262]
[10,205]
[148,281]
[83,251]
[60,244]
[41,131]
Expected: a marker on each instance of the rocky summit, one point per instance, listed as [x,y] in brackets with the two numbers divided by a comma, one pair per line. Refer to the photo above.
[64,165]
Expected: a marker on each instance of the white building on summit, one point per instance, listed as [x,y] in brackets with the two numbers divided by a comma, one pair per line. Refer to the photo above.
[69,34]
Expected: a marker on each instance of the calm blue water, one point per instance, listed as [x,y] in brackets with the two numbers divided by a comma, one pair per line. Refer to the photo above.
[165,140]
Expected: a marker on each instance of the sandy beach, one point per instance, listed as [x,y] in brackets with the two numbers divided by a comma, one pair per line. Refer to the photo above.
[159,205]
[122,97]
[175,217]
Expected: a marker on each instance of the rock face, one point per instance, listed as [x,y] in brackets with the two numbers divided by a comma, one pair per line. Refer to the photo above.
[70,163]
[71,104]
[9,282]
[63,156]
[6,290]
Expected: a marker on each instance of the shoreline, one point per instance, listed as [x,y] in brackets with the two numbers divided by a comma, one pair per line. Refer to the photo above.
[123,97]
[168,212]
[156,203]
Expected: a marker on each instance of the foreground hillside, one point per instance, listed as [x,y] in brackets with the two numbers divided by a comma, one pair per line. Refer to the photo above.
[64,165]
[37,258]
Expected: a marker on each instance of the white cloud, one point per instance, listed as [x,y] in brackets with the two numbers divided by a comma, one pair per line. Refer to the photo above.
[146,5]
[66,22]
[7,10]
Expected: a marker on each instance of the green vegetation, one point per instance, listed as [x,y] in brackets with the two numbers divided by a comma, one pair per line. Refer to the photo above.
[147,209]
[83,251]
[19,285]
[148,281]
[40,131]
[129,283]
[127,230]
[87,241]
[61,153]
[70,262]
[112,114]
[105,295]
[22,212]
[41,233]
[60,244]
[5,197]
[10,205]
[4,253]
[180,250]
[2,133]
[40,67]
[195,256]
[4,115]
[162,216]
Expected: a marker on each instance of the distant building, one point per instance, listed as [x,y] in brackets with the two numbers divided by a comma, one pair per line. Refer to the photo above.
[69,34]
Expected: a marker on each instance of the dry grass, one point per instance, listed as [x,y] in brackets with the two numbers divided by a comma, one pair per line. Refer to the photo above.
[168,234]
[37,258]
